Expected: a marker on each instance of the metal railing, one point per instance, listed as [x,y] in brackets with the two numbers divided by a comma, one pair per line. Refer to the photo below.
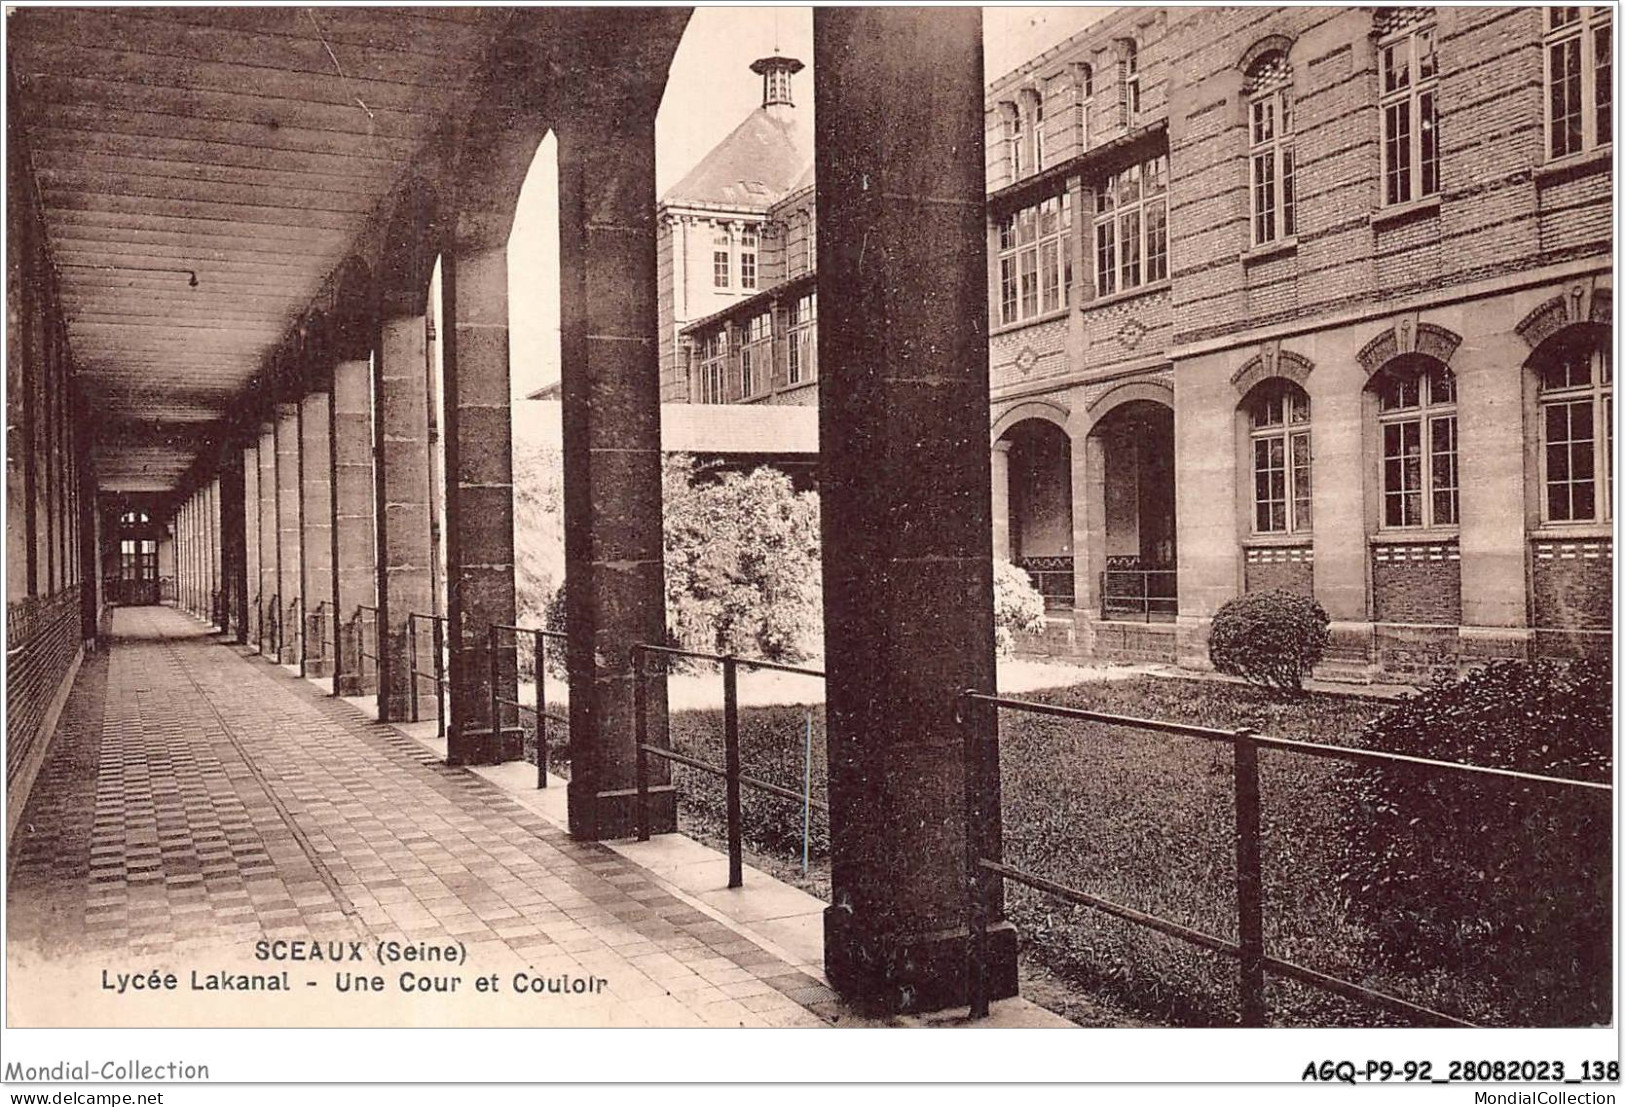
[294,617]
[437,677]
[319,620]
[1143,594]
[539,708]
[730,771]
[359,622]
[1255,961]
[1053,578]
[271,628]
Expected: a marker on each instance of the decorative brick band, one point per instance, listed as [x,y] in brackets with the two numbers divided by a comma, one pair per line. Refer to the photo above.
[1573,551]
[1441,552]
[1276,555]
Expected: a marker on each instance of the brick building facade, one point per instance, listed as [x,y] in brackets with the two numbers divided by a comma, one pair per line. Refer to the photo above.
[1306,298]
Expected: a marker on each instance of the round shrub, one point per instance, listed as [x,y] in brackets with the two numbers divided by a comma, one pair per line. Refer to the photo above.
[1498,881]
[1017,606]
[1273,639]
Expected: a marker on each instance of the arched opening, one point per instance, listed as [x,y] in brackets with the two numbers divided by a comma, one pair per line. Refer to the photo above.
[1039,474]
[1136,542]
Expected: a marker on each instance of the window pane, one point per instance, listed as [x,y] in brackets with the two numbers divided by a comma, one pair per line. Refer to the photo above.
[1443,431]
[1264,197]
[1397,144]
[1603,49]
[1105,258]
[1050,272]
[1156,240]
[1429,125]
[1289,200]
[1564,103]
[1029,283]
[1442,387]
[1007,290]
[1130,245]
[1301,498]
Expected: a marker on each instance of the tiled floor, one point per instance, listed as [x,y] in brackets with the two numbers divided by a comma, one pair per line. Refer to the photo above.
[198,799]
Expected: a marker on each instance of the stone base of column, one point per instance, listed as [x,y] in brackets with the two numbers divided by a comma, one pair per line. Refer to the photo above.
[604,816]
[482,746]
[1482,645]
[911,973]
[347,684]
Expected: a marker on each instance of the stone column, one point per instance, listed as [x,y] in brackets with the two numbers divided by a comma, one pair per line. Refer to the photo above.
[233,580]
[613,547]
[287,510]
[401,505]
[217,601]
[1001,500]
[479,501]
[1341,553]
[269,547]
[354,550]
[316,517]
[1489,420]
[180,557]
[908,580]
[250,631]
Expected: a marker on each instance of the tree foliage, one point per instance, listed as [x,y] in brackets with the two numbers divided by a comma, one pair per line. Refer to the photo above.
[1017,606]
[1482,875]
[1272,639]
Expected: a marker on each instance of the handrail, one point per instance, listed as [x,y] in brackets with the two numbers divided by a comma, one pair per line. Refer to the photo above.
[539,666]
[730,770]
[1256,964]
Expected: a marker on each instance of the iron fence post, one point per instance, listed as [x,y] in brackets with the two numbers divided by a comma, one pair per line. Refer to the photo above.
[438,639]
[730,740]
[1249,880]
[975,878]
[412,662]
[640,733]
[540,657]
[492,636]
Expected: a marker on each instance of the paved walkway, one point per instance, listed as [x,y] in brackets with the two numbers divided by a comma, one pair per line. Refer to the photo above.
[198,800]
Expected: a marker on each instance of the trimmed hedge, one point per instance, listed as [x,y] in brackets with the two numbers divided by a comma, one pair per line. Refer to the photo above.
[1471,875]
[1272,639]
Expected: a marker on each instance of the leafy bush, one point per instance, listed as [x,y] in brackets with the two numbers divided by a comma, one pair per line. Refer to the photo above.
[1273,639]
[1017,606]
[1458,874]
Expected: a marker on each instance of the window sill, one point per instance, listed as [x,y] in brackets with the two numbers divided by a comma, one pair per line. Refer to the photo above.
[1268,250]
[1132,294]
[1575,165]
[1417,535]
[1023,324]
[1289,540]
[1402,213]
[1548,532]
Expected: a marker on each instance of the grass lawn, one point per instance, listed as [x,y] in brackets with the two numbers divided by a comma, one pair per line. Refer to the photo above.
[1145,820]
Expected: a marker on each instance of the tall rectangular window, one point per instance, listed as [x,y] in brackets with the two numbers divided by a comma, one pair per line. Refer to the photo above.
[1576,416]
[721,258]
[1420,474]
[1035,260]
[1131,228]
[756,355]
[803,339]
[1270,155]
[747,258]
[1410,115]
[1579,80]
[713,376]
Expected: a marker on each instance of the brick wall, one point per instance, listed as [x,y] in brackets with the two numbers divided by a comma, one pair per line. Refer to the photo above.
[1573,583]
[1287,568]
[42,638]
[1416,582]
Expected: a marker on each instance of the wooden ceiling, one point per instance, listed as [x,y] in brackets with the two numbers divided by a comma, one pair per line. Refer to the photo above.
[202,171]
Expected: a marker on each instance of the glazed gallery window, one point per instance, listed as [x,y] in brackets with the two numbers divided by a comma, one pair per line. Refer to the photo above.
[1417,421]
[1577,434]
[803,351]
[1278,417]
[714,368]
[1410,114]
[1035,260]
[756,354]
[1269,150]
[1131,228]
[1579,80]
[747,258]
[721,258]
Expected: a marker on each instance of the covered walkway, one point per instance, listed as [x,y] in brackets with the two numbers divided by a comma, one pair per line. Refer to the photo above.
[199,799]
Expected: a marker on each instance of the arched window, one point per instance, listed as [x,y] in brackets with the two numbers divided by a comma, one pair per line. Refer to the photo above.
[1269,148]
[1278,420]
[1409,99]
[135,518]
[1576,383]
[1416,415]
